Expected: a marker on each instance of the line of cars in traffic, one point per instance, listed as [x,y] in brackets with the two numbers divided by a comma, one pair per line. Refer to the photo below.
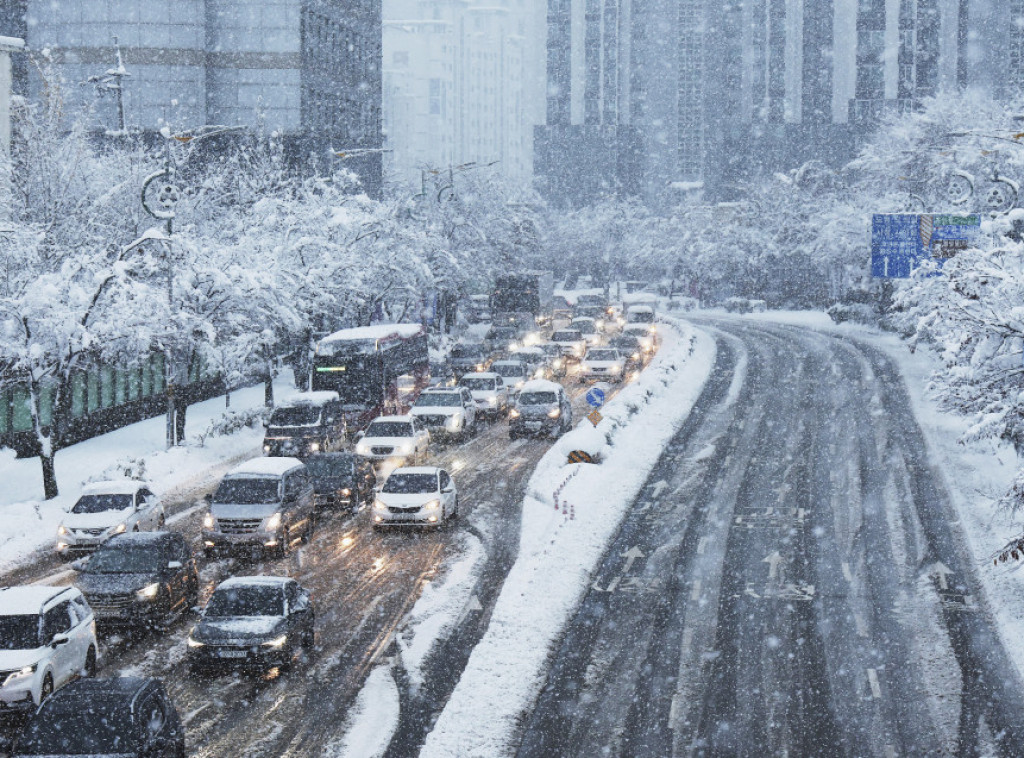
[137,574]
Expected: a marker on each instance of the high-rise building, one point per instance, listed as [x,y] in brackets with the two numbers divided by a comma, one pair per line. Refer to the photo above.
[666,97]
[308,69]
[460,85]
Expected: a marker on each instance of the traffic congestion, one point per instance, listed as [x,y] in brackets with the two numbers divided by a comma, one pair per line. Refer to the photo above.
[295,571]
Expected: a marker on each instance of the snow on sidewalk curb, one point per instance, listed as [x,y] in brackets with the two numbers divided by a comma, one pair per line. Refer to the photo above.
[558,555]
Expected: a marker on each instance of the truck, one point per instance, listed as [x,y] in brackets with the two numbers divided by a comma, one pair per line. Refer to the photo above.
[523,299]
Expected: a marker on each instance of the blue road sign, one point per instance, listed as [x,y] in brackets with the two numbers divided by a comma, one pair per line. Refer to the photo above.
[595,397]
[901,242]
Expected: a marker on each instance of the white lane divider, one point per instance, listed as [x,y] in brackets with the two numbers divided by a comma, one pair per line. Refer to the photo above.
[876,689]
[695,592]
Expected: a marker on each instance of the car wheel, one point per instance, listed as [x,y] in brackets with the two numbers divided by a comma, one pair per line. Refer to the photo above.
[135,528]
[90,663]
[161,522]
[455,509]
[286,542]
[47,688]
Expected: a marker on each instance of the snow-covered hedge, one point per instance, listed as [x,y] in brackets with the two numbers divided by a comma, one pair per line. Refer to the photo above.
[506,670]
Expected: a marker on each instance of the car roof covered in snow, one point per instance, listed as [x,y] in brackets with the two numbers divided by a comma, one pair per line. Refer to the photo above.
[640,309]
[251,581]
[405,418]
[439,391]
[511,362]
[147,539]
[480,375]
[315,397]
[415,470]
[375,332]
[114,487]
[27,601]
[270,466]
[540,385]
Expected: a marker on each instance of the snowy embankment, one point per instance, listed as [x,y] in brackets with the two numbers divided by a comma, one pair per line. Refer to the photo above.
[570,514]
[29,523]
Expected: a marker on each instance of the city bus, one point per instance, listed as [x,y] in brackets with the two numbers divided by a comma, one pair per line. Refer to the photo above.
[376,370]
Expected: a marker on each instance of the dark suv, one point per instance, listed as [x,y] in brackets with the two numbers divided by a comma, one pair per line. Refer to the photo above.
[252,622]
[125,716]
[141,579]
[341,480]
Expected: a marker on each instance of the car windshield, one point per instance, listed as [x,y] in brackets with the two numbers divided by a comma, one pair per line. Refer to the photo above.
[410,483]
[467,351]
[333,465]
[585,327]
[126,559]
[502,333]
[71,726]
[640,317]
[389,429]
[478,382]
[439,400]
[102,503]
[246,600]
[602,355]
[508,369]
[629,343]
[303,415]
[19,632]
[538,398]
[255,491]
[551,350]
[566,336]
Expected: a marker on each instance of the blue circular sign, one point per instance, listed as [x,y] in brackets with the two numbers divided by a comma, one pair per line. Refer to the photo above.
[595,397]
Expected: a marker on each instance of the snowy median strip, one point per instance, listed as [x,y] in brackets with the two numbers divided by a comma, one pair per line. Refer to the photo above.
[558,554]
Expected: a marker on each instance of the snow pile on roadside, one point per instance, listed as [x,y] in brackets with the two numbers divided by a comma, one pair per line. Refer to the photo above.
[372,720]
[29,523]
[558,554]
[440,608]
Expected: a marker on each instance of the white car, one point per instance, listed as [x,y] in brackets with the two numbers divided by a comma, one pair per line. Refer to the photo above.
[489,392]
[603,363]
[47,638]
[571,341]
[106,509]
[394,438]
[643,332]
[514,374]
[450,412]
[425,496]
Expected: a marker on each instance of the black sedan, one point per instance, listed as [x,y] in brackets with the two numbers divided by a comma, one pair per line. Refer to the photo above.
[141,579]
[341,480]
[253,622]
[125,716]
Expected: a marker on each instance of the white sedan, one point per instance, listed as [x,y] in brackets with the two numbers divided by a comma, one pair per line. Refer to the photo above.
[106,509]
[602,363]
[416,496]
[394,438]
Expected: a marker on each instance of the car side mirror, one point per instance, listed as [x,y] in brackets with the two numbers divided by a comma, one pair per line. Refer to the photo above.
[447,490]
[174,565]
[360,435]
[208,497]
[59,639]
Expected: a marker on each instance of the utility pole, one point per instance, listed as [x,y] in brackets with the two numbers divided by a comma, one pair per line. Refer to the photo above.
[113,81]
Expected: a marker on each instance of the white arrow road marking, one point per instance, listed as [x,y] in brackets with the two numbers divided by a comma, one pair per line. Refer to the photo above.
[773,562]
[658,488]
[631,555]
[687,640]
[695,592]
[862,627]
[942,571]
[846,572]
[702,545]
[471,607]
[876,689]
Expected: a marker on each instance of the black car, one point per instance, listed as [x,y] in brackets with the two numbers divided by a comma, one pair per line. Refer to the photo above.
[466,358]
[140,579]
[125,716]
[631,348]
[341,480]
[253,622]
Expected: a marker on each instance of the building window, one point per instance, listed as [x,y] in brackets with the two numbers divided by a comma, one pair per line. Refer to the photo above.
[435,97]
[400,58]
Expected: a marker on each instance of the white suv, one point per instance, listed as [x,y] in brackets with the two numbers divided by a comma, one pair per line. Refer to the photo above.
[106,509]
[47,639]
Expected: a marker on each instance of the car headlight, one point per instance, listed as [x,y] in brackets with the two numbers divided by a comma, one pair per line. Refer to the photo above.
[652,329]
[554,413]
[636,356]
[345,492]
[266,448]
[512,346]
[120,528]
[277,642]
[208,521]
[479,367]
[314,447]
[493,400]
[599,324]
[584,367]
[433,505]
[148,592]
[273,522]
[193,642]
[406,447]
[557,363]
[380,505]
[455,421]
[514,413]
[22,673]
[62,530]
[363,448]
